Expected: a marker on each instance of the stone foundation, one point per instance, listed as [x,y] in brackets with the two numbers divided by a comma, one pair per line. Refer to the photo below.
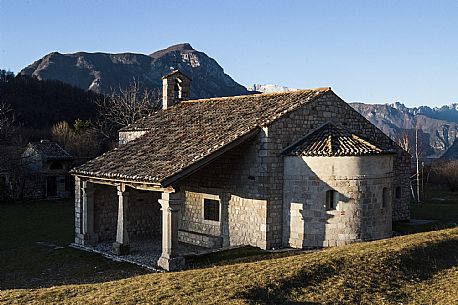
[199,239]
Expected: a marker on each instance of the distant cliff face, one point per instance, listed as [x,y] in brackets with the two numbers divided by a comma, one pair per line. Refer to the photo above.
[102,72]
[439,124]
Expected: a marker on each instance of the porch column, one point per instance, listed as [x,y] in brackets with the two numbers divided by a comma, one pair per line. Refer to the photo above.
[170,206]
[121,246]
[87,194]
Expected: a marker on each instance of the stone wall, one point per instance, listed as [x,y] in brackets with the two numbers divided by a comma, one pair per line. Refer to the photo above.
[252,174]
[236,179]
[359,214]
[247,221]
[192,212]
[294,126]
[105,211]
[144,214]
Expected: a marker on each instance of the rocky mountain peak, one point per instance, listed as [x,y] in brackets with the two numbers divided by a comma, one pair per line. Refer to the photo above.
[181,47]
[103,72]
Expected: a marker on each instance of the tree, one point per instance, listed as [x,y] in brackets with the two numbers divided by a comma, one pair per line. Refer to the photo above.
[81,140]
[416,143]
[124,107]
[7,122]
[447,172]
[6,76]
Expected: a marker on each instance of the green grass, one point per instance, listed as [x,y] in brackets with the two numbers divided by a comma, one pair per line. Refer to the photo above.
[28,231]
[439,205]
[412,269]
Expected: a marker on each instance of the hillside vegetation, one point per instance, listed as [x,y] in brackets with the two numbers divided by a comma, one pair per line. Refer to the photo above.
[40,104]
[414,269]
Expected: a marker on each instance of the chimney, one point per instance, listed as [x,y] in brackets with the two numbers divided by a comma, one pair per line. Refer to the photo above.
[175,88]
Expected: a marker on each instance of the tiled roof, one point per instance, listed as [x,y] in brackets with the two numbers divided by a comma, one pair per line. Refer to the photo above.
[50,150]
[190,132]
[330,140]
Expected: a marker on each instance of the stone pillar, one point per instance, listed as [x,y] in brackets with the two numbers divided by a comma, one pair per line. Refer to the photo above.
[87,198]
[170,206]
[78,211]
[121,245]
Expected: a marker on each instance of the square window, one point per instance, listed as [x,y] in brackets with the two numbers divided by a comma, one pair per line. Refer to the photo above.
[211,209]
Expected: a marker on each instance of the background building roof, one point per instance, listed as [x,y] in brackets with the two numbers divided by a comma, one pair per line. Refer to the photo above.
[50,150]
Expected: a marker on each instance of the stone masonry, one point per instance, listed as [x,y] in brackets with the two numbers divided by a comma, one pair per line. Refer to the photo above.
[249,178]
[359,214]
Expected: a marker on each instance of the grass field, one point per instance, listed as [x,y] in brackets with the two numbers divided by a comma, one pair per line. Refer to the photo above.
[37,267]
[33,248]
[413,269]
[439,205]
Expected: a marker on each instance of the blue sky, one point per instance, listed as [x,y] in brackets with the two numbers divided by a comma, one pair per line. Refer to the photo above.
[371,51]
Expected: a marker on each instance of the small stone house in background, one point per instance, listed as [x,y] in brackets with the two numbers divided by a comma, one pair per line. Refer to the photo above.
[50,164]
[297,169]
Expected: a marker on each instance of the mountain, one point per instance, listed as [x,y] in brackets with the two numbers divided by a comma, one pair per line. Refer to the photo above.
[269,88]
[102,72]
[439,125]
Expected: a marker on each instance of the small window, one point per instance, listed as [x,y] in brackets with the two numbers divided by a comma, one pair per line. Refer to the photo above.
[211,209]
[331,200]
[398,192]
[385,197]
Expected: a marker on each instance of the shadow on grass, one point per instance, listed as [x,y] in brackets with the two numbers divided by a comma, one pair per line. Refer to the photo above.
[357,279]
[281,293]
[243,254]
[34,252]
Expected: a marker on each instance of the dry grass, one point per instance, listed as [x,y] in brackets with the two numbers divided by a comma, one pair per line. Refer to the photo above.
[413,269]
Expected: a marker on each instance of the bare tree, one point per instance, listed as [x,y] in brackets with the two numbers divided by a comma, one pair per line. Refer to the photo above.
[81,140]
[125,106]
[447,172]
[62,133]
[414,142]
[7,122]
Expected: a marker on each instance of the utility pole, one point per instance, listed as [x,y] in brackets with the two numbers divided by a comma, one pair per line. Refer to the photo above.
[418,163]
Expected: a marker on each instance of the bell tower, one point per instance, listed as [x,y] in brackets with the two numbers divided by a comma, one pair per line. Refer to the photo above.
[175,88]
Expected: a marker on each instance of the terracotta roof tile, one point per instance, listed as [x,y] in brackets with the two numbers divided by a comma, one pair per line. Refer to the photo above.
[189,132]
[330,140]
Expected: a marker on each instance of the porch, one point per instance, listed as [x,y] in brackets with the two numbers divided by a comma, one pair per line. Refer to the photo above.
[135,222]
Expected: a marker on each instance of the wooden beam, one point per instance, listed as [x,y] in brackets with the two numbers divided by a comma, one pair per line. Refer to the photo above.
[137,185]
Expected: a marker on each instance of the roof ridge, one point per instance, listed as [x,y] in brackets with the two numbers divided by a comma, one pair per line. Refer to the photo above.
[318,89]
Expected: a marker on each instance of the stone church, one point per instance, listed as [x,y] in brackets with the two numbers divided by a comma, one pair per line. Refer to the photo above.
[298,169]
